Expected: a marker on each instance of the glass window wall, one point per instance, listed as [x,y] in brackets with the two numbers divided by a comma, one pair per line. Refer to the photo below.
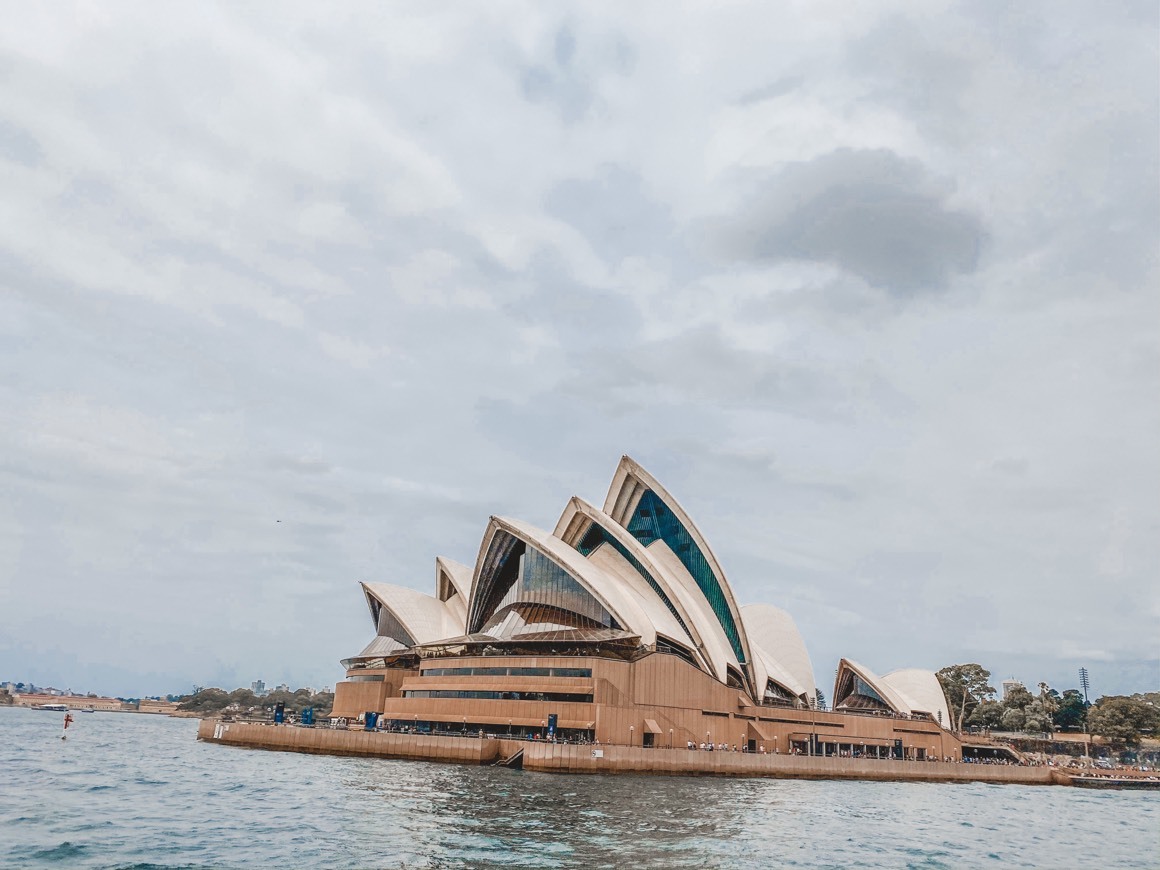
[598,535]
[527,593]
[651,521]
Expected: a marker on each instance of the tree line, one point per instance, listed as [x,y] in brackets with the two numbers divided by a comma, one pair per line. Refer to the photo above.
[211,701]
[1123,720]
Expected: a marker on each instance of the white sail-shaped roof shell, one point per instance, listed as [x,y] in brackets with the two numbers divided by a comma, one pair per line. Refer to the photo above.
[453,585]
[647,589]
[715,644]
[618,599]
[921,691]
[779,652]
[424,617]
[678,587]
[629,484]
[885,691]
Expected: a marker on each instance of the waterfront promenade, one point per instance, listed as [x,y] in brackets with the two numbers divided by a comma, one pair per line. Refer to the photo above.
[587,758]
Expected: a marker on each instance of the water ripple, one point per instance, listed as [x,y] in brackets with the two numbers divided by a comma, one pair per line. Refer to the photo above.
[139,792]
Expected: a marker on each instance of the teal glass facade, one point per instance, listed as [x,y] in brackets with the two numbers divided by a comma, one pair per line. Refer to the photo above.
[651,521]
[597,535]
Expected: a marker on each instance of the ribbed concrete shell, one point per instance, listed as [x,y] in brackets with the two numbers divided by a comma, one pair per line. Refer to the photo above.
[921,691]
[848,668]
[700,629]
[453,585]
[629,484]
[638,580]
[614,596]
[779,652]
[424,617]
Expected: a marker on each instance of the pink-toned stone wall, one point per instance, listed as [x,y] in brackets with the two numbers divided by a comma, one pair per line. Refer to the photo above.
[623,759]
[570,758]
[330,741]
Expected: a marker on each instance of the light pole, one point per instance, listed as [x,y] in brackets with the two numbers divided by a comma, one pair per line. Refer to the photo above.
[631,728]
[670,738]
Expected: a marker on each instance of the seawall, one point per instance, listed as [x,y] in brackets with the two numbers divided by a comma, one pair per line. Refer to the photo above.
[569,758]
[625,759]
[328,741]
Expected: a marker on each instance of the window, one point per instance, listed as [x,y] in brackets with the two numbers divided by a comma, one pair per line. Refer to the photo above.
[506,672]
[485,695]
[652,521]
[597,535]
[861,687]
[390,627]
[675,649]
[525,592]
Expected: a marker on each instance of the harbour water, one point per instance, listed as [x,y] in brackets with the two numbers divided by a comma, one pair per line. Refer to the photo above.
[139,791]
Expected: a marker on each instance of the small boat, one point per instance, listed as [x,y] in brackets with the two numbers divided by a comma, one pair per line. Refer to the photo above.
[55,708]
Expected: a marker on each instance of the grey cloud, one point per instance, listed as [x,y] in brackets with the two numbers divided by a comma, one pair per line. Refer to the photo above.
[19,145]
[614,212]
[703,365]
[569,80]
[559,83]
[873,213]
[299,465]
[921,73]
[773,90]
[1014,466]
[574,315]
[809,421]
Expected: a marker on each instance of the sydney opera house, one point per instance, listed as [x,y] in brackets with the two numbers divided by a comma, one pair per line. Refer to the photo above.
[619,626]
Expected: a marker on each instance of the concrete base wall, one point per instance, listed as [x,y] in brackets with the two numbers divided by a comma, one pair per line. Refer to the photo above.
[327,741]
[623,759]
[564,758]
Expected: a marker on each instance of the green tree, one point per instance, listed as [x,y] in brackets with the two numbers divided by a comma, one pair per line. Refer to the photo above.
[1041,709]
[1013,719]
[987,714]
[1123,721]
[1072,711]
[1037,716]
[209,702]
[1018,699]
[965,687]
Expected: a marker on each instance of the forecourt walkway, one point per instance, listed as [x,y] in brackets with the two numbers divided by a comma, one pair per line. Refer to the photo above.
[573,758]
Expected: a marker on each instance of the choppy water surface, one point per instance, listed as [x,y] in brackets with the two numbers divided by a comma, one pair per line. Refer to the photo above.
[127,790]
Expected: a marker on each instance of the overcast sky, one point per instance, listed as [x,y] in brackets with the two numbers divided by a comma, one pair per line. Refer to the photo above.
[294,299]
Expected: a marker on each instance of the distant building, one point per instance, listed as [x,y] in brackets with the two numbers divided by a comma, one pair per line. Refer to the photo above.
[1011,685]
[74,702]
[150,705]
[258,687]
[282,687]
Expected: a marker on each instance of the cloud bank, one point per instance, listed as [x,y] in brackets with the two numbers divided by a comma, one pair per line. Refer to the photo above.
[289,302]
